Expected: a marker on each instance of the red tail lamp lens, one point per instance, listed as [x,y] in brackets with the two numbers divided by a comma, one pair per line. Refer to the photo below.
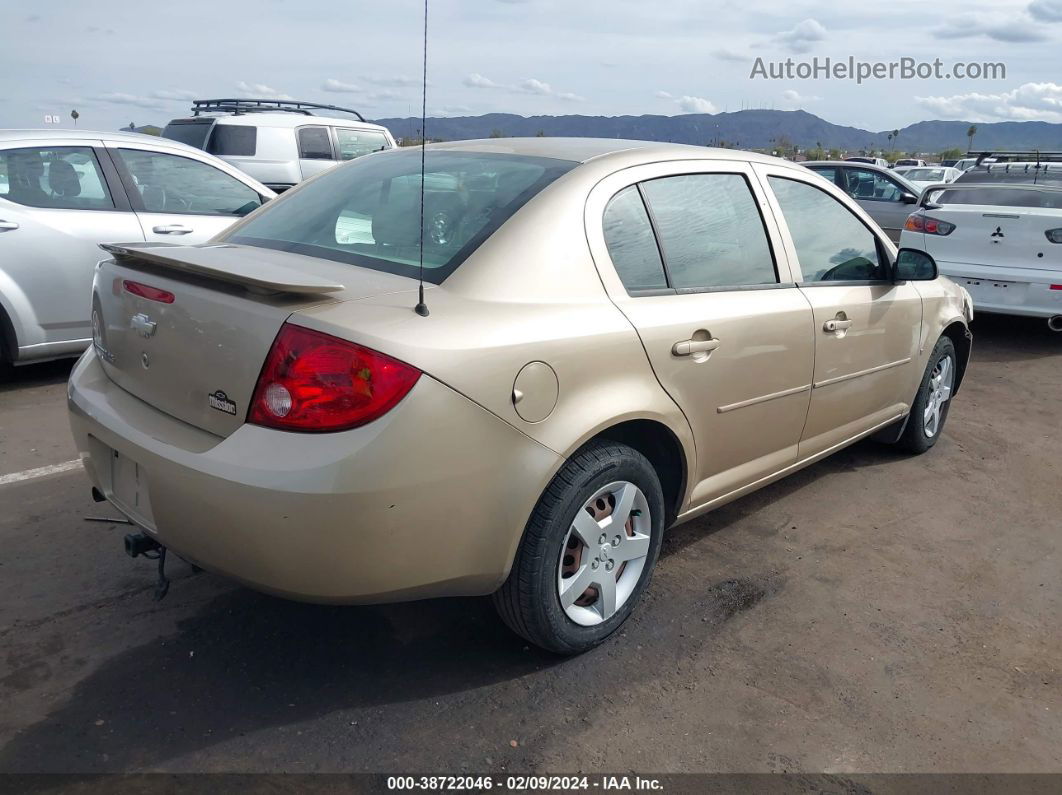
[148,292]
[315,382]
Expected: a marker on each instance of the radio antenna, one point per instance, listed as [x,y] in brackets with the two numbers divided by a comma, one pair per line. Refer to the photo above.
[422,308]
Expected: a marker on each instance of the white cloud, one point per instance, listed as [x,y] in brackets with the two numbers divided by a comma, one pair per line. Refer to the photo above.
[803,35]
[175,94]
[338,86]
[663,95]
[120,98]
[793,99]
[476,80]
[260,91]
[533,86]
[395,81]
[690,104]
[568,96]
[1028,102]
[1002,29]
[1046,10]
[726,54]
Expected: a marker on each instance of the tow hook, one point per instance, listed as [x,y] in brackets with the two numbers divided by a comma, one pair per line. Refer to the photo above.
[137,544]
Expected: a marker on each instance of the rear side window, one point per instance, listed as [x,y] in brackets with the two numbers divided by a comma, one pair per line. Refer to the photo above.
[194,133]
[368,212]
[179,185]
[631,242]
[831,243]
[63,178]
[230,140]
[314,143]
[355,143]
[710,231]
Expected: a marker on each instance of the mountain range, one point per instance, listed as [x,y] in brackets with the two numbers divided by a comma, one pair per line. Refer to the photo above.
[749,129]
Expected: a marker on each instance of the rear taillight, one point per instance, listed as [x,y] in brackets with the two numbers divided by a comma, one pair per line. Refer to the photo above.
[916,222]
[1054,235]
[148,292]
[316,382]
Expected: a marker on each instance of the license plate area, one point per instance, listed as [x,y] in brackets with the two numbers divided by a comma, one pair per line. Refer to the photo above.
[995,291]
[129,489]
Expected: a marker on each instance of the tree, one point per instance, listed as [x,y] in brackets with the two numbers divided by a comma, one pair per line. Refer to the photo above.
[496,133]
[951,154]
[75,116]
[970,133]
[540,134]
[895,134]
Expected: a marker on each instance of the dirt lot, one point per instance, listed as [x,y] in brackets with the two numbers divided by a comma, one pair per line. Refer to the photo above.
[871,613]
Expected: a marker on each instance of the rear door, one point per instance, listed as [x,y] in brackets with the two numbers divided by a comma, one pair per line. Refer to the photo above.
[179,198]
[689,255]
[57,205]
[866,327]
[316,149]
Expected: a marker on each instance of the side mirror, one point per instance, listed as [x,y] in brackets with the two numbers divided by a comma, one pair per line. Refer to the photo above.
[913,265]
[909,198]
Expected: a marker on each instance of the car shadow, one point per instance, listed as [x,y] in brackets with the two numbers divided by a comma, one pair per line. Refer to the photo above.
[33,375]
[1006,338]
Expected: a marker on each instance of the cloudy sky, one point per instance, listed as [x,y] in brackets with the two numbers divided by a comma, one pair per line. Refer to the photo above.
[117,61]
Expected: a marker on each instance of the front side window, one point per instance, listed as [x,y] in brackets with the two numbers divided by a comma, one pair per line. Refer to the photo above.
[631,242]
[832,244]
[355,143]
[828,172]
[62,177]
[314,143]
[174,184]
[867,185]
[710,231]
[367,213]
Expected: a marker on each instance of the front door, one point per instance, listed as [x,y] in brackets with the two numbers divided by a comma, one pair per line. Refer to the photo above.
[884,199]
[694,266]
[181,199]
[866,326]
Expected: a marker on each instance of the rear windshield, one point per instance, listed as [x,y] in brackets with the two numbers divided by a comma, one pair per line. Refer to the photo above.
[231,140]
[1001,197]
[367,212]
[193,133]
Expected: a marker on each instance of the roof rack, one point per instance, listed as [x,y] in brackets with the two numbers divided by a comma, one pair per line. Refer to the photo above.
[239,106]
[1013,155]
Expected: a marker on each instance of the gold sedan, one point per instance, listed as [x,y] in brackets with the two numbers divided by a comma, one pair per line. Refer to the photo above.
[615,337]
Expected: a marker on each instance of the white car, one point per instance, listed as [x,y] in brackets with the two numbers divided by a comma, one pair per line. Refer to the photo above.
[923,177]
[1002,242]
[278,142]
[63,192]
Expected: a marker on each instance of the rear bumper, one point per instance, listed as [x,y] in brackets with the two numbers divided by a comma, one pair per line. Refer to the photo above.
[430,500]
[1008,291]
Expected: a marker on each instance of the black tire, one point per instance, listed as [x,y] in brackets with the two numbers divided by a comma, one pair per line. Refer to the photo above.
[528,601]
[914,438]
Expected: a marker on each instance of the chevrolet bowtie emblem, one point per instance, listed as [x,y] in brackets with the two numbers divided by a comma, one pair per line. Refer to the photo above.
[142,324]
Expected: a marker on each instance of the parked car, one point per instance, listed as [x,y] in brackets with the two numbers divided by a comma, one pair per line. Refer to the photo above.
[278,142]
[65,192]
[886,196]
[921,178]
[967,163]
[602,351]
[1001,241]
[909,161]
[874,161]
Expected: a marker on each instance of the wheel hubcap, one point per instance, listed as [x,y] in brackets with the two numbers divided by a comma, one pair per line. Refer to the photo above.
[604,553]
[941,381]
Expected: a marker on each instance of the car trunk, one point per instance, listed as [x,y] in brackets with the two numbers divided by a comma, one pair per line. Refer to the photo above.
[1000,236]
[193,342]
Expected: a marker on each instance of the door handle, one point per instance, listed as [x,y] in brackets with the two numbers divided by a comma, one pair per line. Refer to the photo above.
[172,229]
[7,226]
[836,325]
[690,347]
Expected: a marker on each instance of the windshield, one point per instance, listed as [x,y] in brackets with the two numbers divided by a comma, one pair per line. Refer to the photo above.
[1001,197]
[367,213]
[924,174]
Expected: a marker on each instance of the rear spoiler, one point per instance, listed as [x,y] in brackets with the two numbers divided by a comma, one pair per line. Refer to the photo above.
[924,200]
[224,262]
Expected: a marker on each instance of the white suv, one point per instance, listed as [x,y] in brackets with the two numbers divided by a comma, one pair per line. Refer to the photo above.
[278,142]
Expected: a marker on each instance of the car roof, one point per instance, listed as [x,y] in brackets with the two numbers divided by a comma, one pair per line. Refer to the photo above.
[581,150]
[282,119]
[8,136]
